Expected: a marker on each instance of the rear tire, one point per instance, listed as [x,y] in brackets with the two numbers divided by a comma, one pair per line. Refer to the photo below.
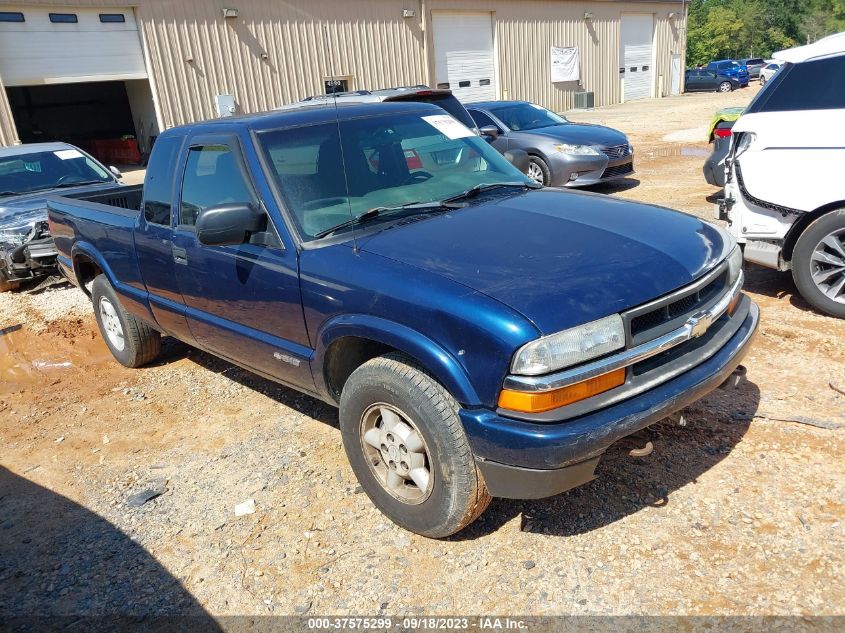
[407,447]
[818,263]
[131,341]
[725,86]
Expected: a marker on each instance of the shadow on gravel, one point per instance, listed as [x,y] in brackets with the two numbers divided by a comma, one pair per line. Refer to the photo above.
[614,186]
[625,485]
[777,285]
[173,349]
[58,559]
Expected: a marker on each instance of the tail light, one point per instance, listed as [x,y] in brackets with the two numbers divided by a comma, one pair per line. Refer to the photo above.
[723,132]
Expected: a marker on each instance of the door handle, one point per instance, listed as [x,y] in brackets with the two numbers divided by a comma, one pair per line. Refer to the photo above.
[180,255]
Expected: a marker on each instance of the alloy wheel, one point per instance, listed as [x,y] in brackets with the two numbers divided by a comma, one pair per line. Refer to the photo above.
[827,266]
[397,453]
[111,324]
[535,173]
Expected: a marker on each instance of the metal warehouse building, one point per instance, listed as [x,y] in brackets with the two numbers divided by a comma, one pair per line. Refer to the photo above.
[78,70]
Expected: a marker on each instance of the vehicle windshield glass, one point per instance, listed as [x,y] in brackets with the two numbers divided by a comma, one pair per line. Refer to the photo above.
[526,116]
[37,171]
[386,161]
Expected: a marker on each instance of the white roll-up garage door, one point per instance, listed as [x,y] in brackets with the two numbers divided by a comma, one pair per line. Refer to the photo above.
[103,44]
[463,55]
[637,53]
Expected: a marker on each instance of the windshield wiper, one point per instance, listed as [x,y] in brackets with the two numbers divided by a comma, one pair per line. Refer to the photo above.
[377,212]
[484,186]
[76,184]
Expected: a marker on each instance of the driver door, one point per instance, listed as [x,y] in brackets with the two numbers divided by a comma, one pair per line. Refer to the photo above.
[242,302]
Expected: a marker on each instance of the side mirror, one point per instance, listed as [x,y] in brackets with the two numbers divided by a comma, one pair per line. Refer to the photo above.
[519,159]
[490,131]
[115,172]
[229,224]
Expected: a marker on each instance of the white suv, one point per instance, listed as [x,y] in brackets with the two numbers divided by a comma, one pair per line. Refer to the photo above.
[785,192]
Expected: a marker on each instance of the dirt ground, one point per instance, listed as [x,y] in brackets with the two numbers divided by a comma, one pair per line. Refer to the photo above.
[738,512]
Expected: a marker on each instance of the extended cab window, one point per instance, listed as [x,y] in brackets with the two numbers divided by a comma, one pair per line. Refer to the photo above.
[212,177]
[158,185]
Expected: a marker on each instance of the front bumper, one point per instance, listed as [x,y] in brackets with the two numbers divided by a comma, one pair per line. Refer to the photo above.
[590,170]
[520,459]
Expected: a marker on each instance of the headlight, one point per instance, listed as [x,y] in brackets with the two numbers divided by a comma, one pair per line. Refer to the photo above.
[630,148]
[734,265]
[570,347]
[577,150]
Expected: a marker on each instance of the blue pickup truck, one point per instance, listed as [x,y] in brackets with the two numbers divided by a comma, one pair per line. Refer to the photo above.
[481,336]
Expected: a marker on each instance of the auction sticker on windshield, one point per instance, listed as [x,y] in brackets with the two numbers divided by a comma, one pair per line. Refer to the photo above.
[445,124]
[67,154]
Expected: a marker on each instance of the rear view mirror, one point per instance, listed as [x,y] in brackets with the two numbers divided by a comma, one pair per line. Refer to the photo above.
[519,159]
[229,224]
[489,131]
[115,172]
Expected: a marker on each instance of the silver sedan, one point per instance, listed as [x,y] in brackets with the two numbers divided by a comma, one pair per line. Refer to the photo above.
[562,153]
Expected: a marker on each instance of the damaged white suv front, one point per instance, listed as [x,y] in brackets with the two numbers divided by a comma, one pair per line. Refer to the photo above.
[785,173]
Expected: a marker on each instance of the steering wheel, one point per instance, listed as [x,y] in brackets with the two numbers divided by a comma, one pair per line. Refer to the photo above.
[68,178]
[420,176]
[324,202]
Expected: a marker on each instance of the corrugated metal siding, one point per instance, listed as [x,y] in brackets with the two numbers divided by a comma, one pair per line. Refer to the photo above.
[370,41]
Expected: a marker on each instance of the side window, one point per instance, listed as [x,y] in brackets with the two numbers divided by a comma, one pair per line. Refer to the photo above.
[815,85]
[158,185]
[212,176]
[481,119]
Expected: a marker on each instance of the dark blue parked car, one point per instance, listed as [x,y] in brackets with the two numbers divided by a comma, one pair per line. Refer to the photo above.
[730,68]
[480,335]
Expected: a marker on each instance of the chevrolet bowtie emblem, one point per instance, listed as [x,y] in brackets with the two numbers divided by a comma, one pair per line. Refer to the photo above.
[699,323]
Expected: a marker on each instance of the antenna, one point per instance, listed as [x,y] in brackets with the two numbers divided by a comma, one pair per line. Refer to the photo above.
[330,57]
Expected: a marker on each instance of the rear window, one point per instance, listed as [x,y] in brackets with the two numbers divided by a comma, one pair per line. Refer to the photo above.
[158,185]
[814,85]
[446,101]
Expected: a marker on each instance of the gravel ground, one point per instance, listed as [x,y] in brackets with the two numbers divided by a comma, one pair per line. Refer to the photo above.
[738,512]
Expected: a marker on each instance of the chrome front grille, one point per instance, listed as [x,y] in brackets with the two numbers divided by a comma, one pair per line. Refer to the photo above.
[616,151]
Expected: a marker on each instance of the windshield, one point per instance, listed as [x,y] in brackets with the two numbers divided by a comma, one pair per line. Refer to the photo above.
[386,161]
[526,116]
[39,171]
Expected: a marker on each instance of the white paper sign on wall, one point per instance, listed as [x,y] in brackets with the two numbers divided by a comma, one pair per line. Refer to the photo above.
[565,64]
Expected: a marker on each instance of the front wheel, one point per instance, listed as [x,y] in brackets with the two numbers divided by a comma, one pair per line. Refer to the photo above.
[725,86]
[407,447]
[132,342]
[818,263]
[539,171]
[762,80]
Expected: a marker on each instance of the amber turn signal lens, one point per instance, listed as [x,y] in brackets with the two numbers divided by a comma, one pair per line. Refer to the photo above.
[734,303]
[539,401]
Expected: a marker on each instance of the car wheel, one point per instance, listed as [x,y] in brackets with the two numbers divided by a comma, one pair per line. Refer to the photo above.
[407,447]
[762,80]
[818,263]
[539,171]
[132,342]
[725,86]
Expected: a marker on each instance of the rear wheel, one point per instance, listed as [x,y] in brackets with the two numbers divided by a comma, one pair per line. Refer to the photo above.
[539,171]
[131,341]
[407,447]
[725,86]
[818,263]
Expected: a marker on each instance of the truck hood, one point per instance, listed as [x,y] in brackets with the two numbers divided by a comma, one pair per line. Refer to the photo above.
[559,258]
[19,213]
[579,134]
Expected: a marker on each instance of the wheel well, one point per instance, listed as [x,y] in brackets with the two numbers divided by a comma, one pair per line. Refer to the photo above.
[86,270]
[802,223]
[347,354]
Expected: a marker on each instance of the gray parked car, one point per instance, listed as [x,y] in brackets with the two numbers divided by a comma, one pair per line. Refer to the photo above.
[754,65]
[562,153]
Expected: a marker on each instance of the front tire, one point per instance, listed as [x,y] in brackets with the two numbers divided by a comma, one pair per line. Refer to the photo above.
[818,263]
[132,342]
[762,80]
[407,447]
[725,86]
[539,171]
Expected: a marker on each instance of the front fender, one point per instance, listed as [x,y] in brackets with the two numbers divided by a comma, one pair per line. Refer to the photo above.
[433,357]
